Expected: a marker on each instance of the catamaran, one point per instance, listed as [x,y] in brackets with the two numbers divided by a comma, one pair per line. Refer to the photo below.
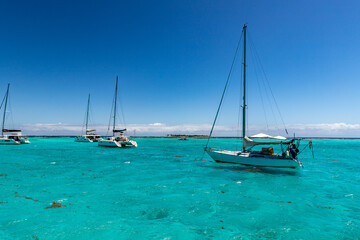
[90,135]
[264,158]
[10,136]
[120,141]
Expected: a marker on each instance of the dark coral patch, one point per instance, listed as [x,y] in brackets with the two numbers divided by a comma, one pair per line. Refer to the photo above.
[56,205]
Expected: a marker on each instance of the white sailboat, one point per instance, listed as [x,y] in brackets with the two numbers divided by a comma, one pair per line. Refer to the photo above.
[265,157]
[10,136]
[90,135]
[120,141]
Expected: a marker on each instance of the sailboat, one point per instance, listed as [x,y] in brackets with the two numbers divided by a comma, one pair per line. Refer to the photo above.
[120,141]
[90,135]
[265,157]
[10,136]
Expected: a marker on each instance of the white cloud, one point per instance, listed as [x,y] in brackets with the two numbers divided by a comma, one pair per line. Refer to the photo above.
[162,129]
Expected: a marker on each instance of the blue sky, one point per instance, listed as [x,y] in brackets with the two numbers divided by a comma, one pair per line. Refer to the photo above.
[173,57]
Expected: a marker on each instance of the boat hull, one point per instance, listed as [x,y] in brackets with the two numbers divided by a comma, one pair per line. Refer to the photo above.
[248,159]
[88,138]
[24,141]
[6,141]
[11,141]
[117,144]
[82,139]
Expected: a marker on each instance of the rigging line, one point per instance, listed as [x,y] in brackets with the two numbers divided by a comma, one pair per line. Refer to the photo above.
[2,102]
[240,99]
[277,107]
[84,122]
[222,96]
[11,112]
[82,128]
[259,86]
[122,110]
[307,145]
[112,107]
[91,117]
[265,86]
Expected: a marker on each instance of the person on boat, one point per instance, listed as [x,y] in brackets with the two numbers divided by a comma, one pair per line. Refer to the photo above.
[293,150]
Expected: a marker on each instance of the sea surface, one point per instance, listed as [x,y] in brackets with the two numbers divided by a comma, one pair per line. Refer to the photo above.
[168,189]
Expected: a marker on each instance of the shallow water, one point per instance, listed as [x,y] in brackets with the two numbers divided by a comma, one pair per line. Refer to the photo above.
[167,189]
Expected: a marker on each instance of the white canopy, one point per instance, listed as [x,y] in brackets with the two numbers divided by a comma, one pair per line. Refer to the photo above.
[247,142]
[280,137]
[263,135]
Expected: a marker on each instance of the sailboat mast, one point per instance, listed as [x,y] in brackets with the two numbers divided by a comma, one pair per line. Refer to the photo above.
[116,87]
[244,94]
[6,99]
[87,115]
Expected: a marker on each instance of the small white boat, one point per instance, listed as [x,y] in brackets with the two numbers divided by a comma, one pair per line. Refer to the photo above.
[248,156]
[90,135]
[119,141]
[10,136]
[183,138]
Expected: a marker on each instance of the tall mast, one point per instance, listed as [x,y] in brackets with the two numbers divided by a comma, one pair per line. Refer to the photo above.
[6,99]
[87,115]
[116,87]
[244,94]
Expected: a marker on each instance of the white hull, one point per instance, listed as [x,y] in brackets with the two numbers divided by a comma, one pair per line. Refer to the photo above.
[112,142]
[6,140]
[24,141]
[251,159]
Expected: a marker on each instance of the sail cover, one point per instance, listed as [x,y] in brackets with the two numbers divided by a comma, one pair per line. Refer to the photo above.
[90,130]
[247,142]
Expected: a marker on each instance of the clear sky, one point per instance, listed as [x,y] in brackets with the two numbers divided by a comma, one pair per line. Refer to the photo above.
[173,57]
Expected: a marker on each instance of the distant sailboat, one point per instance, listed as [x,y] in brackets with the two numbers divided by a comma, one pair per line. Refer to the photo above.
[10,136]
[263,158]
[121,140]
[90,135]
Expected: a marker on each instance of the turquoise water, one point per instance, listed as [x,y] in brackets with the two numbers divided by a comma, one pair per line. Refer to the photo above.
[161,191]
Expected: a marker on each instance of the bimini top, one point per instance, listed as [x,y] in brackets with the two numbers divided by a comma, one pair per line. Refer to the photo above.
[263,135]
[11,130]
[247,142]
[119,130]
